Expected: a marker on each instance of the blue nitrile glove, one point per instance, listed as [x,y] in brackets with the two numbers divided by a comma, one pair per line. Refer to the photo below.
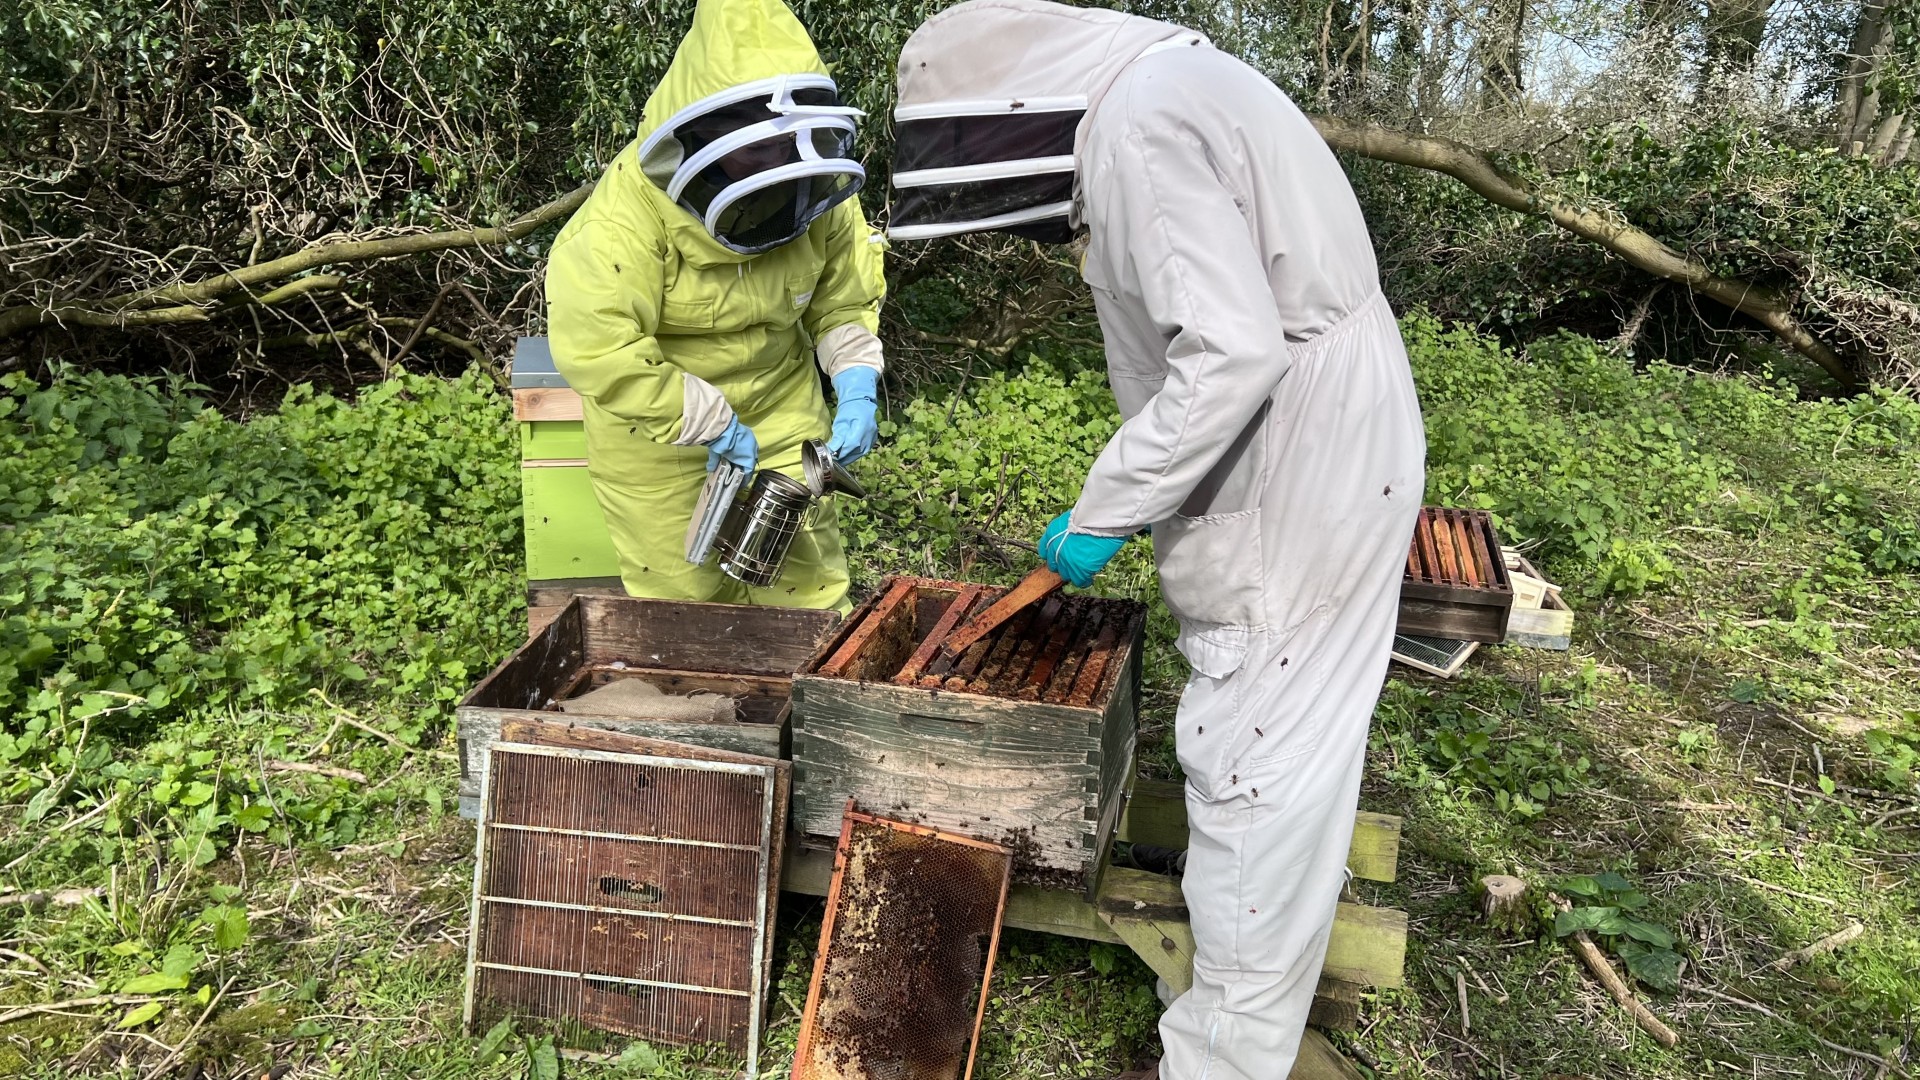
[1077,556]
[855,424]
[737,445]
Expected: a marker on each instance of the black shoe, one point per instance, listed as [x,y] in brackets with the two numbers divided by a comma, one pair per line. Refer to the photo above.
[1172,862]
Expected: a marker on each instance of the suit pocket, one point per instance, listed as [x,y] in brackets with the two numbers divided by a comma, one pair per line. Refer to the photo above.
[1213,576]
[686,314]
[1296,726]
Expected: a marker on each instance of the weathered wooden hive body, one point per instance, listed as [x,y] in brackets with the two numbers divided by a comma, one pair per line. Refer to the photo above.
[1026,740]
[746,653]
[1456,585]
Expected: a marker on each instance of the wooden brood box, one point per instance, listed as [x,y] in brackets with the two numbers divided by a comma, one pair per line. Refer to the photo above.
[1456,582]
[1027,741]
[745,652]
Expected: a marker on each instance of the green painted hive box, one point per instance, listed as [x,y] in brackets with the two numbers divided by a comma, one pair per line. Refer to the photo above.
[568,549]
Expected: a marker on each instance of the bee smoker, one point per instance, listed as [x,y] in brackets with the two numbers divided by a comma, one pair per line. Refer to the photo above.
[754,529]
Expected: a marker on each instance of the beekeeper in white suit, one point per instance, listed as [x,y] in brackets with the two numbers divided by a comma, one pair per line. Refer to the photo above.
[1271,439]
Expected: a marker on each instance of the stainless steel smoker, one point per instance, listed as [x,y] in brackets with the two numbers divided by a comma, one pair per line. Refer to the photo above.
[753,530]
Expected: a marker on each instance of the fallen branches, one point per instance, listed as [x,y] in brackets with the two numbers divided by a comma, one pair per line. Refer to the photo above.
[73,1003]
[353,775]
[62,898]
[1596,962]
[1875,1060]
[55,834]
[342,716]
[1602,969]
[1636,246]
[1824,945]
[173,1059]
[190,301]
[358,331]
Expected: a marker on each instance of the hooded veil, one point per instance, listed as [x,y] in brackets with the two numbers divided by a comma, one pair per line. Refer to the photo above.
[746,130]
[994,97]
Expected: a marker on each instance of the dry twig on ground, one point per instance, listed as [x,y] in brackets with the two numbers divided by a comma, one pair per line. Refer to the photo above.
[1602,969]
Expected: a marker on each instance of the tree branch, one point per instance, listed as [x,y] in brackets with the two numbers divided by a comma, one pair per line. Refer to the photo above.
[1636,246]
[356,332]
[79,315]
[145,308]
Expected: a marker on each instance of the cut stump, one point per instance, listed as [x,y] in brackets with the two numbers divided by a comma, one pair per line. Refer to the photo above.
[1503,900]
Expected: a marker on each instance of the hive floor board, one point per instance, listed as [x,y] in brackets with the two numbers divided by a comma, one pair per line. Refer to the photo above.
[621,895]
[1435,656]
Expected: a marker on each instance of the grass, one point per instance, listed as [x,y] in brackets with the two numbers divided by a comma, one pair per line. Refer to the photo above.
[1743,694]
[1729,779]
[355,966]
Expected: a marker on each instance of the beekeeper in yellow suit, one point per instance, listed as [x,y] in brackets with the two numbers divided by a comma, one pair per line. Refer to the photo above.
[689,299]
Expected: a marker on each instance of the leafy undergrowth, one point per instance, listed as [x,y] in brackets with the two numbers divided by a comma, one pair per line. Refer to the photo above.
[230,649]
[1732,734]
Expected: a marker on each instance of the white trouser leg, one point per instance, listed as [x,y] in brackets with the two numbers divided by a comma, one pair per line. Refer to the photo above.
[1274,755]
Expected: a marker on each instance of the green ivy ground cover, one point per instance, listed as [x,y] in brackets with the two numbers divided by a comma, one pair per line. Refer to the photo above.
[228,653]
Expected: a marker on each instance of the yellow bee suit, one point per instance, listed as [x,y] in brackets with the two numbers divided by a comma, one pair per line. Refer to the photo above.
[648,314]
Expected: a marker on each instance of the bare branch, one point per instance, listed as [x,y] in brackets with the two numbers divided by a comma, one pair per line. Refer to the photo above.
[138,308]
[1636,246]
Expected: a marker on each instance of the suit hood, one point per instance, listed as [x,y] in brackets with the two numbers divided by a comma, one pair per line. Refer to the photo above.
[746,131]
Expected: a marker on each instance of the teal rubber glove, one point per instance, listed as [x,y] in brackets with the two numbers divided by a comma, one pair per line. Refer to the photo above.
[1077,556]
[736,444]
[856,421]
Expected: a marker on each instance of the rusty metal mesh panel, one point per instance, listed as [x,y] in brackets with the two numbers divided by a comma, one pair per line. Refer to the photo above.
[913,919]
[620,895]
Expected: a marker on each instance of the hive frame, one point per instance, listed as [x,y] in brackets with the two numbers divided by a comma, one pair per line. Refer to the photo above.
[853,816]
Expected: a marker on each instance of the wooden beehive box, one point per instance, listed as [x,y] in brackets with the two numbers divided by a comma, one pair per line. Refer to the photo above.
[748,653]
[1027,741]
[1542,622]
[1456,583]
[567,545]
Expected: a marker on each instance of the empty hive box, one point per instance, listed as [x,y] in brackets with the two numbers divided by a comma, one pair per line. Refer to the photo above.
[1026,740]
[1456,584]
[625,895]
[742,657]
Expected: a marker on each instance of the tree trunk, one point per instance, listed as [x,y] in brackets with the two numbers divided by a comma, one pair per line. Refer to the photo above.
[1503,901]
[1902,145]
[1735,29]
[1499,54]
[1859,109]
[1430,87]
[1666,15]
[1884,137]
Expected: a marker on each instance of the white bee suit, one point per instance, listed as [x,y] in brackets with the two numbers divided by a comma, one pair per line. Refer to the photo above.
[1272,439]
